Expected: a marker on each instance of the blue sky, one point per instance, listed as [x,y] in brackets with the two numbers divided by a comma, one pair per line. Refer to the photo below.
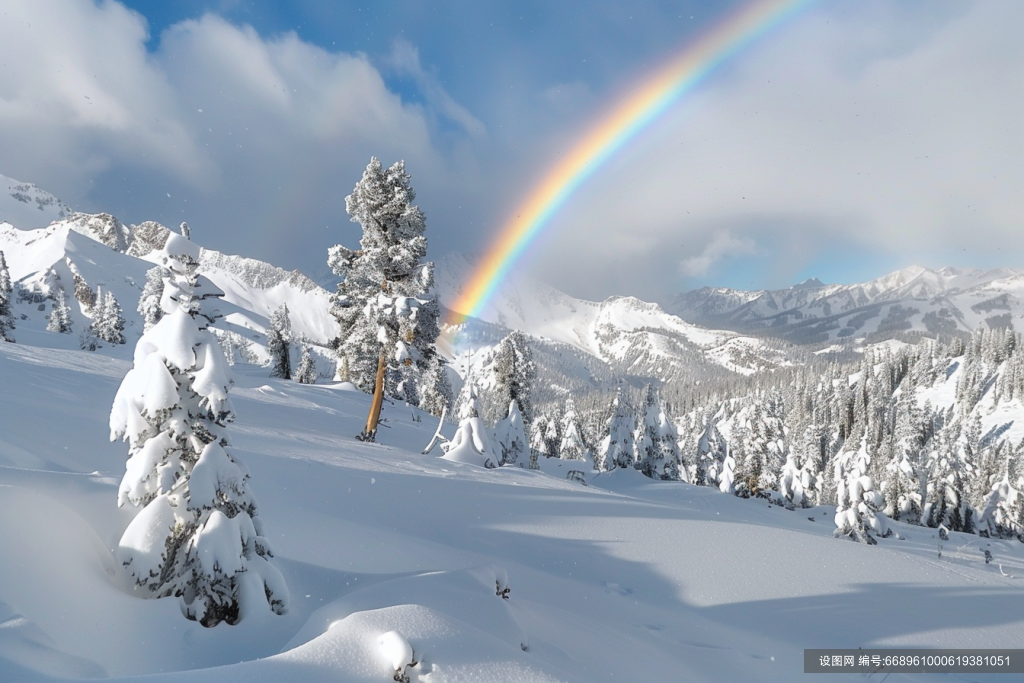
[858,137]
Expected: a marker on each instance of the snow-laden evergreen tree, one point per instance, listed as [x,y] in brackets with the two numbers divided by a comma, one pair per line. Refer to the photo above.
[668,443]
[306,372]
[60,314]
[539,441]
[436,392]
[711,452]
[514,374]
[762,445]
[510,435]
[6,311]
[149,301]
[552,434]
[471,442]
[648,457]
[727,477]
[279,338]
[572,446]
[617,446]
[383,305]
[108,325]
[199,536]
[1002,511]
[467,404]
[859,508]
[791,481]
[945,494]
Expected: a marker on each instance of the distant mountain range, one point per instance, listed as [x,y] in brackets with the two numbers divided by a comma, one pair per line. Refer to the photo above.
[579,345]
[918,299]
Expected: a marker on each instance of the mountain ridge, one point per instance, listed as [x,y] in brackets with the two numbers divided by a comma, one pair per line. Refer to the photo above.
[947,300]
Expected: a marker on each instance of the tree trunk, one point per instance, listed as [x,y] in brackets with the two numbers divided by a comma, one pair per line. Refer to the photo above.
[370,433]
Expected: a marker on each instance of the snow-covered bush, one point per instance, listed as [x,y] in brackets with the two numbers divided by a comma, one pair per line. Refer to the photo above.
[471,442]
[199,535]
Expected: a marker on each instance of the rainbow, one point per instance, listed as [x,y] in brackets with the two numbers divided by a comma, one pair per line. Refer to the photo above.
[611,133]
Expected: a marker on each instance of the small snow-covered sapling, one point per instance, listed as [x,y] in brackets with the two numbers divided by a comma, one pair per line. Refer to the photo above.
[398,653]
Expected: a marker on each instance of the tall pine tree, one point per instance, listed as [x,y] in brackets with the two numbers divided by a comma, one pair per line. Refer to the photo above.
[383,305]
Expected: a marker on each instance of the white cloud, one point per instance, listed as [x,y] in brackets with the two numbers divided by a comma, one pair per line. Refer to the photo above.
[405,59]
[893,129]
[77,91]
[254,141]
[722,245]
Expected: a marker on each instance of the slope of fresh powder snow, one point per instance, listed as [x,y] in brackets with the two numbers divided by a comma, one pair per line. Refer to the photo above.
[624,579]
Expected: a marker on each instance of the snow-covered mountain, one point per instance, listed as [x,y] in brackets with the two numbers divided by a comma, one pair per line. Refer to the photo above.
[27,206]
[947,300]
[634,338]
[82,253]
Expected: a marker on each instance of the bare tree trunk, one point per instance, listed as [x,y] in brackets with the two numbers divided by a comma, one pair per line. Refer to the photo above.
[370,433]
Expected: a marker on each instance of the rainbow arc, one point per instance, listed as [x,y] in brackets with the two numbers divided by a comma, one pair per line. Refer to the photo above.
[633,113]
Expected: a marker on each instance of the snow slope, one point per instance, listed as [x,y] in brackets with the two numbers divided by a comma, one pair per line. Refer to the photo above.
[109,255]
[624,579]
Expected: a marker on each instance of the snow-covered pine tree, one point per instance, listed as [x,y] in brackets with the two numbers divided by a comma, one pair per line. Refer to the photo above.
[514,374]
[6,311]
[436,392]
[510,435]
[572,446]
[109,324]
[791,483]
[149,301]
[727,477]
[552,434]
[279,338]
[859,508]
[945,502]
[668,443]
[199,536]
[617,446]
[306,372]
[90,339]
[711,452]
[539,442]
[646,446]
[384,304]
[60,314]
[1002,512]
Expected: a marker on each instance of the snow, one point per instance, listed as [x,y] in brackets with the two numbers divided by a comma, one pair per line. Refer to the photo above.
[619,330]
[479,574]
[373,538]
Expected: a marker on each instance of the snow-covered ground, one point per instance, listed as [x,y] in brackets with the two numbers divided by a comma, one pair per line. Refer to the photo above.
[626,579]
